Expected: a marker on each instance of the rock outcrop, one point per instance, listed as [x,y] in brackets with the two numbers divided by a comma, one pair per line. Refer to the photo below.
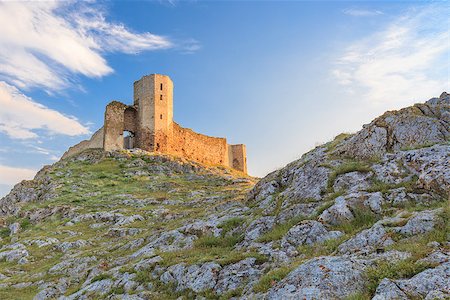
[365,216]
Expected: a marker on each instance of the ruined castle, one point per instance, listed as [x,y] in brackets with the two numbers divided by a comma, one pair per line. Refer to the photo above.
[148,124]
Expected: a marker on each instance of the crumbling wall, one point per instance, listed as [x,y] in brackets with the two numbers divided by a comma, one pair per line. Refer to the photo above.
[199,147]
[114,126]
[96,141]
[237,157]
[130,118]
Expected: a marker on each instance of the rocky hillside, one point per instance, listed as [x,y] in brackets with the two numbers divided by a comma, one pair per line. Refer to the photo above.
[365,216]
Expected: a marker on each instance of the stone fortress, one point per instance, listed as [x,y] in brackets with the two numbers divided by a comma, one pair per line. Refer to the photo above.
[148,125]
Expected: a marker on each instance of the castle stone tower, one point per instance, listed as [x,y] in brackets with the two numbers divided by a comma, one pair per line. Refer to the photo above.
[153,99]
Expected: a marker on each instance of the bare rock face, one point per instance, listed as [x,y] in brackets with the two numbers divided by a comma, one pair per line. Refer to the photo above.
[432,283]
[421,124]
[367,241]
[196,277]
[321,278]
[308,233]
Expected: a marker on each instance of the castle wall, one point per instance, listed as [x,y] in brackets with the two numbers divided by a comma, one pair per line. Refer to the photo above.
[237,157]
[114,126]
[199,147]
[130,118]
[150,121]
[96,141]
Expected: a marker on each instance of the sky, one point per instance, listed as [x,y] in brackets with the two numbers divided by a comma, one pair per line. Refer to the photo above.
[280,77]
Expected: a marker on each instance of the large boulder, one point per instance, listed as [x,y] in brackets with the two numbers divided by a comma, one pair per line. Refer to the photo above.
[325,277]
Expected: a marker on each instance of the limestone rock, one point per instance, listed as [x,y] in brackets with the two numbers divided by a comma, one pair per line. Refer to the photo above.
[421,285]
[233,276]
[195,277]
[168,241]
[66,246]
[321,278]
[307,233]
[421,222]
[353,181]
[387,289]
[367,241]
[258,227]
[417,125]
[339,212]
[14,228]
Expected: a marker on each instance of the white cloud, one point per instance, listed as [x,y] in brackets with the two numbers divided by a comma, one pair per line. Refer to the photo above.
[20,115]
[44,42]
[358,12]
[404,62]
[11,175]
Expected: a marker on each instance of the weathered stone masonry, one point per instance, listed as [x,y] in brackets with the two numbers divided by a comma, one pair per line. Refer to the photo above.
[148,125]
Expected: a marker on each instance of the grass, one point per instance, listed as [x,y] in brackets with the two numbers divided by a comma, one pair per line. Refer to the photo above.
[359,296]
[363,219]
[386,269]
[11,293]
[380,186]
[271,278]
[338,139]
[91,187]
[417,246]
[231,224]
[325,248]
[279,230]
[418,146]
[220,241]
[344,168]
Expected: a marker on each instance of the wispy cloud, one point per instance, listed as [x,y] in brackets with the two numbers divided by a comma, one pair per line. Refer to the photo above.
[12,175]
[360,12]
[405,61]
[43,43]
[20,115]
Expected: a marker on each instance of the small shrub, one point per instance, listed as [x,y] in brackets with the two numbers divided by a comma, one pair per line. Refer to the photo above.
[25,223]
[231,224]
[339,138]
[271,278]
[4,232]
[363,218]
[142,276]
[118,290]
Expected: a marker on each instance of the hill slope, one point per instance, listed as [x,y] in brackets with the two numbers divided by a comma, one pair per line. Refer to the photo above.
[364,216]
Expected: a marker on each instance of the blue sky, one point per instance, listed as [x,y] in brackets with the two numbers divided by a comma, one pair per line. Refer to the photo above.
[280,77]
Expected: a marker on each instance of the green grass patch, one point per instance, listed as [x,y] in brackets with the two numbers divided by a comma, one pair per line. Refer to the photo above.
[359,296]
[279,230]
[210,241]
[271,278]
[338,139]
[344,168]
[387,269]
[363,219]
[380,186]
[325,248]
[231,224]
